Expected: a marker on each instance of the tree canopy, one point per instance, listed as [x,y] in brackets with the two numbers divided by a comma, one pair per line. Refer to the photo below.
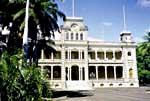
[21,81]
[43,17]
[143,60]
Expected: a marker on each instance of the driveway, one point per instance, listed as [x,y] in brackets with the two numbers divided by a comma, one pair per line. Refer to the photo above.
[106,94]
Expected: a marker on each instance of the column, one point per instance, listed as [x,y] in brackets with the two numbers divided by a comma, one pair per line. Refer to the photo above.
[52,56]
[79,73]
[114,55]
[70,55]
[79,54]
[115,72]
[67,54]
[105,73]
[95,54]
[70,73]
[51,72]
[42,54]
[104,54]
[96,72]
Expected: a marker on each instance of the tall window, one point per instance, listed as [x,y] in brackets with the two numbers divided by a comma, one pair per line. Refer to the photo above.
[67,36]
[76,36]
[118,55]
[47,71]
[57,73]
[57,55]
[81,36]
[66,55]
[47,55]
[109,55]
[91,55]
[100,55]
[74,55]
[82,55]
[92,72]
[119,71]
[71,36]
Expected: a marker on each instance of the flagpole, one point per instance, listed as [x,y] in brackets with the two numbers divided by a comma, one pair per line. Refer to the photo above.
[124,19]
[25,34]
[72,8]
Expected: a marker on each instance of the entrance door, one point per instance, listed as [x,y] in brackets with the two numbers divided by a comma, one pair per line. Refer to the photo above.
[74,73]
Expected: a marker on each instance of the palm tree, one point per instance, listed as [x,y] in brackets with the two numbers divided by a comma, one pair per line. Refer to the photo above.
[147,37]
[16,81]
[43,17]
[143,59]
[20,82]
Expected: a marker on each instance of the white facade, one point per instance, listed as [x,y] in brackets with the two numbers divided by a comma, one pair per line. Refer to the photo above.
[97,63]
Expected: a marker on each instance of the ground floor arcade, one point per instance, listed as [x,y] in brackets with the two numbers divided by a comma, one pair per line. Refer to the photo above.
[78,73]
[99,75]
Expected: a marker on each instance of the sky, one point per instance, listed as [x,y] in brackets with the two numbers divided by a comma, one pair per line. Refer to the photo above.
[104,18]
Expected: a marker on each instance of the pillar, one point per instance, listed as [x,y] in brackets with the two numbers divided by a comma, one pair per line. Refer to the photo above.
[79,73]
[105,73]
[96,72]
[67,54]
[70,73]
[42,54]
[114,55]
[105,55]
[95,54]
[115,72]
[52,56]
[51,72]
[79,54]
[70,54]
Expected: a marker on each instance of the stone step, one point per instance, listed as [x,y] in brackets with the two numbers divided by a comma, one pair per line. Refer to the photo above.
[78,85]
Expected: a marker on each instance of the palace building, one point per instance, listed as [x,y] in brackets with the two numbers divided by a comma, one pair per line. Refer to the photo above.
[83,64]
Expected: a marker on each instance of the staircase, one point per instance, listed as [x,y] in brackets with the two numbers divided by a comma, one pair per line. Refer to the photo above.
[78,86]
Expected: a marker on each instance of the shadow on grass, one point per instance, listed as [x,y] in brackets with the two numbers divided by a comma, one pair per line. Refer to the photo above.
[71,94]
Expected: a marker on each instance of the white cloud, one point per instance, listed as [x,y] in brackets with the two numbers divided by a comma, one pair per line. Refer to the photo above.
[107,23]
[143,3]
[138,39]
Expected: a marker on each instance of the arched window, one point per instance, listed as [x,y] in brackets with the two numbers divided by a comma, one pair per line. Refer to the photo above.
[130,73]
[71,36]
[81,36]
[76,36]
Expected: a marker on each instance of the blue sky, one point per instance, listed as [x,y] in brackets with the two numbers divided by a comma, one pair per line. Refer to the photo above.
[104,18]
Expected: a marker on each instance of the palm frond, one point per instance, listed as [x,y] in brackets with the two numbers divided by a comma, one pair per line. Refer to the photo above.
[18,14]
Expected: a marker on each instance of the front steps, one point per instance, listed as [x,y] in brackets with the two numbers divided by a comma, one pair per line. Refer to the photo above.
[78,86]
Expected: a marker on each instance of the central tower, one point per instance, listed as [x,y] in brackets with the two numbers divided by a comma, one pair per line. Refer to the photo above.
[74,29]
